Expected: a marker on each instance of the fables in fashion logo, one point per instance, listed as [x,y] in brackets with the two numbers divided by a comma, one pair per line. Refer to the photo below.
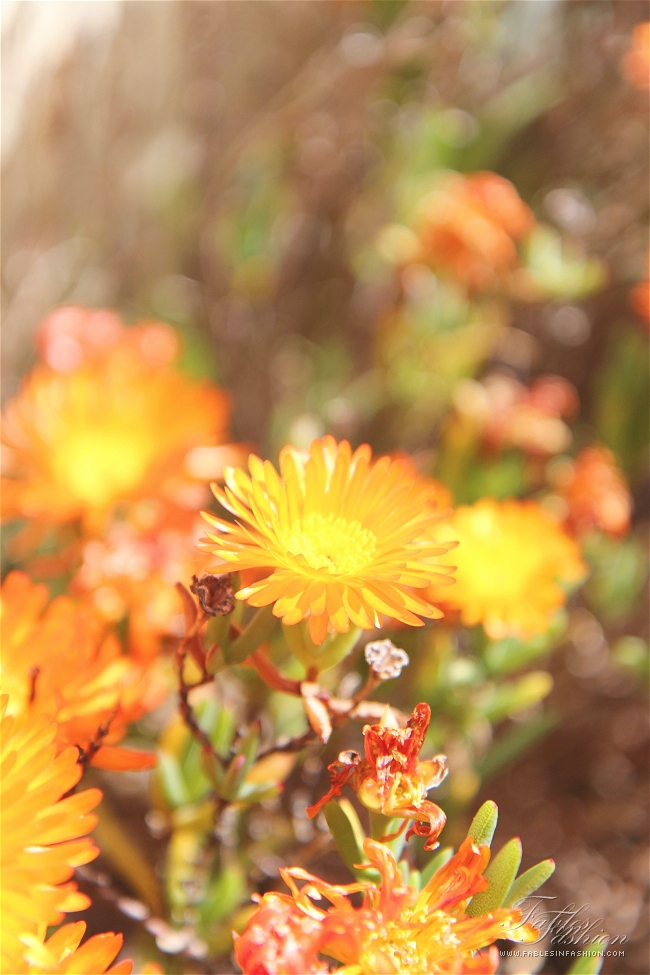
[569,930]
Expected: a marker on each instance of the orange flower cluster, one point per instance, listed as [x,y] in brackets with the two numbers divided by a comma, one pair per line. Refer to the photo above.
[106,435]
[510,414]
[636,61]
[395,930]
[594,492]
[59,661]
[339,538]
[391,779]
[469,227]
[44,837]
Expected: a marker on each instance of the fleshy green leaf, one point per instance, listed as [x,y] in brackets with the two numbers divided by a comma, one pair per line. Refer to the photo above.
[171,776]
[347,834]
[500,873]
[591,961]
[529,881]
[254,635]
[484,824]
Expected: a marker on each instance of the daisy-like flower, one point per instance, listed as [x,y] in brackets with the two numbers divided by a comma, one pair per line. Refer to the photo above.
[339,539]
[395,930]
[63,953]
[59,661]
[44,836]
[595,493]
[513,564]
[102,423]
[390,778]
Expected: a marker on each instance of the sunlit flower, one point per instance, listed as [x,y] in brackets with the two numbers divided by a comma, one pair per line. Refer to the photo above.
[60,661]
[341,539]
[390,778]
[594,491]
[395,930]
[509,414]
[62,954]
[101,423]
[514,563]
[132,570]
[44,836]
[636,61]
[467,228]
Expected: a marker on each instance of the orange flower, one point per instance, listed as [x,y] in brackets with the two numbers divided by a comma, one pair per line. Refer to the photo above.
[636,61]
[104,423]
[395,930]
[509,414]
[640,296]
[280,939]
[132,572]
[61,954]
[595,492]
[512,564]
[60,662]
[340,539]
[43,835]
[390,778]
[469,226]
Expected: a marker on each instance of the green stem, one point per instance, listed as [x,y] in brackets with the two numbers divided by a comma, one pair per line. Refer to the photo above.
[256,633]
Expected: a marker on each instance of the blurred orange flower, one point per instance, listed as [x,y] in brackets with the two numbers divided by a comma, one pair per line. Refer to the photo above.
[469,227]
[61,954]
[62,663]
[390,778]
[509,414]
[513,562]
[395,930]
[342,539]
[640,297]
[595,492]
[43,835]
[106,418]
[132,571]
[636,62]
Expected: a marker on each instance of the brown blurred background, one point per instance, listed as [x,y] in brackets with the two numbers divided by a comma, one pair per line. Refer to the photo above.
[135,133]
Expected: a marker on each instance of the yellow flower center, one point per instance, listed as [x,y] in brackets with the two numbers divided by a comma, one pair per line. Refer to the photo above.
[328,542]
[392,949]
[98,465]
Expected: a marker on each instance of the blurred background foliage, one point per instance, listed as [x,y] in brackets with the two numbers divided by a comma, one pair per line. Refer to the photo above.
[253,174]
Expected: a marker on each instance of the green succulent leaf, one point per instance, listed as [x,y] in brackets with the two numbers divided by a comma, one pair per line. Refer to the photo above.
[171,777]
[347,834]
[500,873]
[591,961]
[484,824]
[257,632]
[529,881]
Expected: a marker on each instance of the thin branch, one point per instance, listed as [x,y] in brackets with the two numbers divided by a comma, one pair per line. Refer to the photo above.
[86,755]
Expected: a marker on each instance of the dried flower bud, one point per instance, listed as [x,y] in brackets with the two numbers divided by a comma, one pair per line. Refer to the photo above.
[350,757]
[385,659]
[215,593]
